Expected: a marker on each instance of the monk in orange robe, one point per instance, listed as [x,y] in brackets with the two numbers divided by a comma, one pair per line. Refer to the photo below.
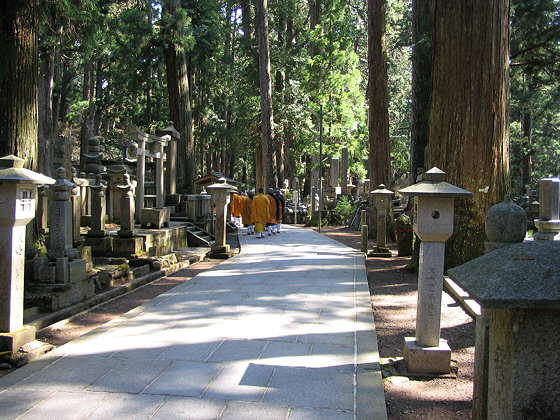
[260,212]
[237,208]
[273,219]
[247,212]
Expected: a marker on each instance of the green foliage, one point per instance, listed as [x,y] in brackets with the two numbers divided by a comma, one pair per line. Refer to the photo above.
[341,213]
[535,89]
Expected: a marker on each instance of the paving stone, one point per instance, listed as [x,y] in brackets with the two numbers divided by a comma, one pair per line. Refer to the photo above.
[130,376]
[240,381]
[236,410]
[127,407]
[298,413]
[69,374]
[66,405]
[14,403]
[184,408]
[317,388]
[286,354]
[188,379]
[237,350]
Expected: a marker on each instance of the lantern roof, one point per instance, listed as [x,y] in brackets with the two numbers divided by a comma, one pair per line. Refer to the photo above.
[12,171]
[433,184]
[382,190]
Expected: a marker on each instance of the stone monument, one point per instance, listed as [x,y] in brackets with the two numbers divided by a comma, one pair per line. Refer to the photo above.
[382,197]
[548,222]
[433,223]
[344,177]
[220,196]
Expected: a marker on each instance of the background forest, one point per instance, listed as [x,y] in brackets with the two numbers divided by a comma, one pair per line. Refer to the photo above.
[104,65]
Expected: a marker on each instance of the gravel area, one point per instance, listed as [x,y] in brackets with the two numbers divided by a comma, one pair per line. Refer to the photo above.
[393,298]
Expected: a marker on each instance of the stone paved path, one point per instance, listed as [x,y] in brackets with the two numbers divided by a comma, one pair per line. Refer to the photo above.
[284,330]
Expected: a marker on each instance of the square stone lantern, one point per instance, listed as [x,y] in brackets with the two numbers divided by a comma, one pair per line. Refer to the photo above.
[220,197]
[382,197]
[433,223]
[18,195]
[519,287]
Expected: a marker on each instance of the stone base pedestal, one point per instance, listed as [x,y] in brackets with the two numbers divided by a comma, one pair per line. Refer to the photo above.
[436,360]
[52,297]
[549,230]
[128,247]
[380,252]
[155,217]
[100,247]
[13,341]
[220,251]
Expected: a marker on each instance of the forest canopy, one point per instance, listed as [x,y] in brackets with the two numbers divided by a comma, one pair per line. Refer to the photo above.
[104,64]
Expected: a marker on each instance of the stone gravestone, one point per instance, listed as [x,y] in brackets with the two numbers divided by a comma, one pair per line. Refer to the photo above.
[548,222]
[334,172]
[101,244]
[344,176]
[382,197]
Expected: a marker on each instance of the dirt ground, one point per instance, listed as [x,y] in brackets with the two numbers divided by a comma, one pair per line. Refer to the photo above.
[393,297]
[393,291]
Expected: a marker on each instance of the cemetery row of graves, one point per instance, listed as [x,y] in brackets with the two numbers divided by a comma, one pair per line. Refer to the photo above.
[112,223]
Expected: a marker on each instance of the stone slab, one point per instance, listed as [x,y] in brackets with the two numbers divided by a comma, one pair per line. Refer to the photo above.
[155,218]
[128,246]
[77,270]
[436,360]
[524,275]
[100,247]
[12,341]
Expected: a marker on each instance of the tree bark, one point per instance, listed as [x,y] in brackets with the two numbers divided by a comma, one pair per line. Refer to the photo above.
[380,172]
[267,168]
[86,130]
[19,81]
[378,121]
[180,106]
[421,75]
[469,113]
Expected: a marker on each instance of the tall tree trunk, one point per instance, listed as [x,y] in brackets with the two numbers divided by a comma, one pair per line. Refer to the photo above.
[421,76]
[47,125]
[469,113]
[380,172]
[268,168]
[86,130]
[98,115]
[19,80]
[180,105]
[378,121]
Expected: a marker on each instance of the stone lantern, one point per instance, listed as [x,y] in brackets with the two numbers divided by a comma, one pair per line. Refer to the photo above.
[18,195]
[433,223]
[220,196]
[382,197]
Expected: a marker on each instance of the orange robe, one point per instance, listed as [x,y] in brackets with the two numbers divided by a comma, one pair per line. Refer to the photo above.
[260,212]
[273,207]
[247,208]
[237,205]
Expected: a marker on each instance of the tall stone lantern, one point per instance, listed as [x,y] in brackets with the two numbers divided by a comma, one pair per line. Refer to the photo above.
[18,195]
[220,196]
[433,223]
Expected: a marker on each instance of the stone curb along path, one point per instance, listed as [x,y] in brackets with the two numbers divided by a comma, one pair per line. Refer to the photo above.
[284,330]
